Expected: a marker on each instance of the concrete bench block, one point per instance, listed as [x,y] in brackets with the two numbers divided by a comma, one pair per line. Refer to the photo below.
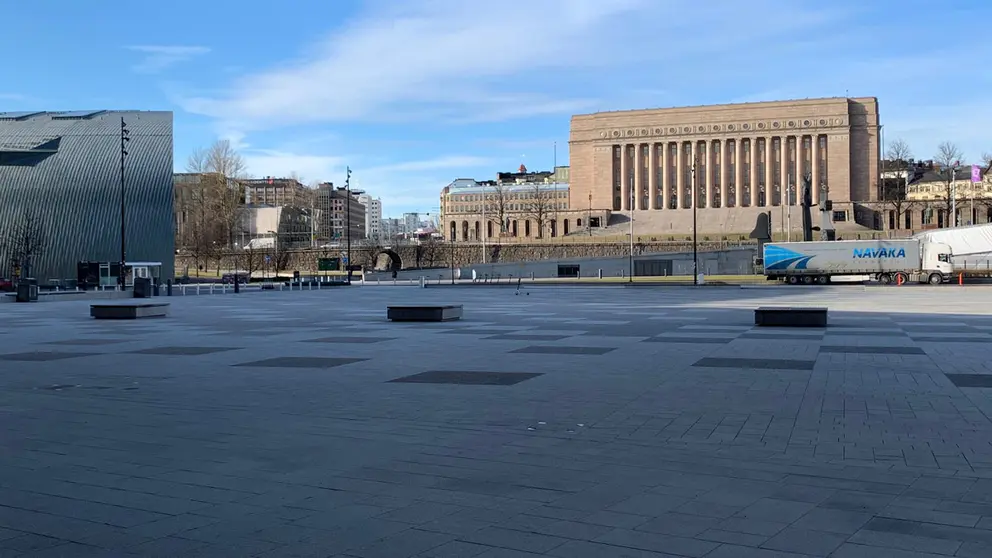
[790,317]
[129,311]
[424,313]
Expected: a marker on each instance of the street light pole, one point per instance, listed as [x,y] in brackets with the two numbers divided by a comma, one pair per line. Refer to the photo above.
[125,133]
[695,249]
[347,219]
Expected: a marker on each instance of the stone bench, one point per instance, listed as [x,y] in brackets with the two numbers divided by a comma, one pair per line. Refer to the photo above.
[129,310]
[424,313]
[790,317]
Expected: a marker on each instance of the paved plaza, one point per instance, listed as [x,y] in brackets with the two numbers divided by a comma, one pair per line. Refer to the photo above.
[571,422]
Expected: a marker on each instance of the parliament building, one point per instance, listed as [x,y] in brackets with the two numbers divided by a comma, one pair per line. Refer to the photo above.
[740,159]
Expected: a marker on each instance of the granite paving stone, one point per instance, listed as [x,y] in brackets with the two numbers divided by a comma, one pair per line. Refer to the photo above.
[575,422]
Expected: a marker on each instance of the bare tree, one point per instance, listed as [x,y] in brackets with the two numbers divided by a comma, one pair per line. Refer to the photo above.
[987,159]
[947,159]
[898,154]
[893,190]
[220,168]
[539,206]
[26,238]
[249,260]
[497,206]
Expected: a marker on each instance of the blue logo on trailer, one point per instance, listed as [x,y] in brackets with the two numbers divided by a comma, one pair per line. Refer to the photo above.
[777,257]
[878,253]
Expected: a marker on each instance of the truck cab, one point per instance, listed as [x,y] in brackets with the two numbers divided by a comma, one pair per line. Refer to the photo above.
[936,260]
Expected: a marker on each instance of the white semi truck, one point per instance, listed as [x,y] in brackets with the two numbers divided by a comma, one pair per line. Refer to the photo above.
[886,261]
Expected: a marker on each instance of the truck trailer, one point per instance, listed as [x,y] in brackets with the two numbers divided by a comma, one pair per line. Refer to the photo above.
[885,261]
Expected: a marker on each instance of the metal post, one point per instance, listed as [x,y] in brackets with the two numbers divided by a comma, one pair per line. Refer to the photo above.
[124,139]
[347,220]
[695,250]
[789,218]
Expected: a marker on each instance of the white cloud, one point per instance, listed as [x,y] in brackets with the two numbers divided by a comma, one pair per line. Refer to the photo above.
[160,57]
[12,97]
[280,164]
[480,62]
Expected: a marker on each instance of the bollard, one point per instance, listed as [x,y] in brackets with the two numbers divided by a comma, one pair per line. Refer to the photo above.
[898,279]
[960,278]
[600,273]
[378,281]
[197,288]
[310,286]
[211,288]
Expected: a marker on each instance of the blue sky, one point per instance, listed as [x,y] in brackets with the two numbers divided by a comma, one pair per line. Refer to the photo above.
[412,94]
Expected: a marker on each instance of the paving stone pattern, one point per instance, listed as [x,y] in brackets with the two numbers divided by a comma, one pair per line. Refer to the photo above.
[574,422]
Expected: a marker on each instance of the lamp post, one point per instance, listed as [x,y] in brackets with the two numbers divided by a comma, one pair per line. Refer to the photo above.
[125,137]
[347,219]
[237,278]
[695,250]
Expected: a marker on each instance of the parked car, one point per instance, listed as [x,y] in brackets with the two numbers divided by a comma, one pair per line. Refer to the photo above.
[6,285]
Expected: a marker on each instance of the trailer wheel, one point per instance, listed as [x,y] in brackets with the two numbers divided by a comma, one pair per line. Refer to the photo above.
[935,279]
[808,279]
[823,279]
[793,280]
[885,278]
[901,278]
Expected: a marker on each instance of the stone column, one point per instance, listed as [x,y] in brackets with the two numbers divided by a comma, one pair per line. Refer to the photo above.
[814,157]
[624,177]
[694,181]
[769,174]
[783,164]
[754,171]
[800,166]
[680,174]
[652,175]
[738,172]
[666,186]
[724,172]
[710,178]
[638,176]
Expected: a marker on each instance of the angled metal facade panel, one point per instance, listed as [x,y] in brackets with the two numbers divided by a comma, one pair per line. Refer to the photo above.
[76,191]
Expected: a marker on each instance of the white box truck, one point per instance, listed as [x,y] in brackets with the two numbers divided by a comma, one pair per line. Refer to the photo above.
[885,261]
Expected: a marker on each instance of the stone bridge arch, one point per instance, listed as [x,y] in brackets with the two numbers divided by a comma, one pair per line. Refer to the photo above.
[395,263]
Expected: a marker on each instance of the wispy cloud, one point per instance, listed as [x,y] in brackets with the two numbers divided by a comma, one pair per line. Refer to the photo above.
[12,97]
[439,163]
[160,57]
[480,62]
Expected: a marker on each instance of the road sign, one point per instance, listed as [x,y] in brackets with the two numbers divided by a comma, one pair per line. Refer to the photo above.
[268,259]
[328,264]
[344,259]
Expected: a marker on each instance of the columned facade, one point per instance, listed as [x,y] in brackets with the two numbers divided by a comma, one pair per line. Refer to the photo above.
[729,162]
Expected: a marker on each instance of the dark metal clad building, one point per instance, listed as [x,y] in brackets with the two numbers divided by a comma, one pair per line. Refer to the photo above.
[64,168]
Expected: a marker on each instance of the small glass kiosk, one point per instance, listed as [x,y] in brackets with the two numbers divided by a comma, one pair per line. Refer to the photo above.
[104,275]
